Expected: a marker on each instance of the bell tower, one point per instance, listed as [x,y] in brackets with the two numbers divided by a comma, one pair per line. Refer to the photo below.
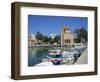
[66,36]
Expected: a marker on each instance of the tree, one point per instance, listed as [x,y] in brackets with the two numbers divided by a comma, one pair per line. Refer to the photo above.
[57,39]
[45,39]
[50,40]
[39,36]
[81,34]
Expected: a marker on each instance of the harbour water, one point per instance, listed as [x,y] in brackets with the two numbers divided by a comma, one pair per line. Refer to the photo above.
[37,54]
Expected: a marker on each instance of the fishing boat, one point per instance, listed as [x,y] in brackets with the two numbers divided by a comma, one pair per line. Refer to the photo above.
[57,61]
[61,57]
[55,53]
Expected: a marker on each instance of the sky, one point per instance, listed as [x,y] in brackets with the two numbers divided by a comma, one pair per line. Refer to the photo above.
[52,24]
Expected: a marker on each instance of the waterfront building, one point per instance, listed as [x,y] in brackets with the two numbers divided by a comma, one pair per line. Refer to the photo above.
[32,40]
[67,37]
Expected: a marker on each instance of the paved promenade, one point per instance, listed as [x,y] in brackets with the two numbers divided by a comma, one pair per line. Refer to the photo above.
[83,59]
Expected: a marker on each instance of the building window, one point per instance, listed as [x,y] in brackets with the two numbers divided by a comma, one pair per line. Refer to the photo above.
[67,41]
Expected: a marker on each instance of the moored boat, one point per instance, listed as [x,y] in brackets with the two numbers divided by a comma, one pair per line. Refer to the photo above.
[55,53]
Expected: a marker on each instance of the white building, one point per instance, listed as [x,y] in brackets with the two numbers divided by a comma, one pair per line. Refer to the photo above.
[67,37]
[32,40]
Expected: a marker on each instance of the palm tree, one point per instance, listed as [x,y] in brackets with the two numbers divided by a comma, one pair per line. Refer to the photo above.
[81,35]
[39,37]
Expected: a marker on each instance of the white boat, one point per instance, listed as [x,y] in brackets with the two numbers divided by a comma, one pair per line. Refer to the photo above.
[55,53]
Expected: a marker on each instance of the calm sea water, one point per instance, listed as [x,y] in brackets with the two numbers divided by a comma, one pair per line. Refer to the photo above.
[35,55]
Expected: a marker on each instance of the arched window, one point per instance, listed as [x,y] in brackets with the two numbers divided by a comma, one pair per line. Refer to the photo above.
[67,41]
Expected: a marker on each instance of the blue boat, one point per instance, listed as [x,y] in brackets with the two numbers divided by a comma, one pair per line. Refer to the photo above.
[55,53]
[57,61]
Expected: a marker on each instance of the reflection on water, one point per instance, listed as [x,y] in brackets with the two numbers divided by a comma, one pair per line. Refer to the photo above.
[35,55]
